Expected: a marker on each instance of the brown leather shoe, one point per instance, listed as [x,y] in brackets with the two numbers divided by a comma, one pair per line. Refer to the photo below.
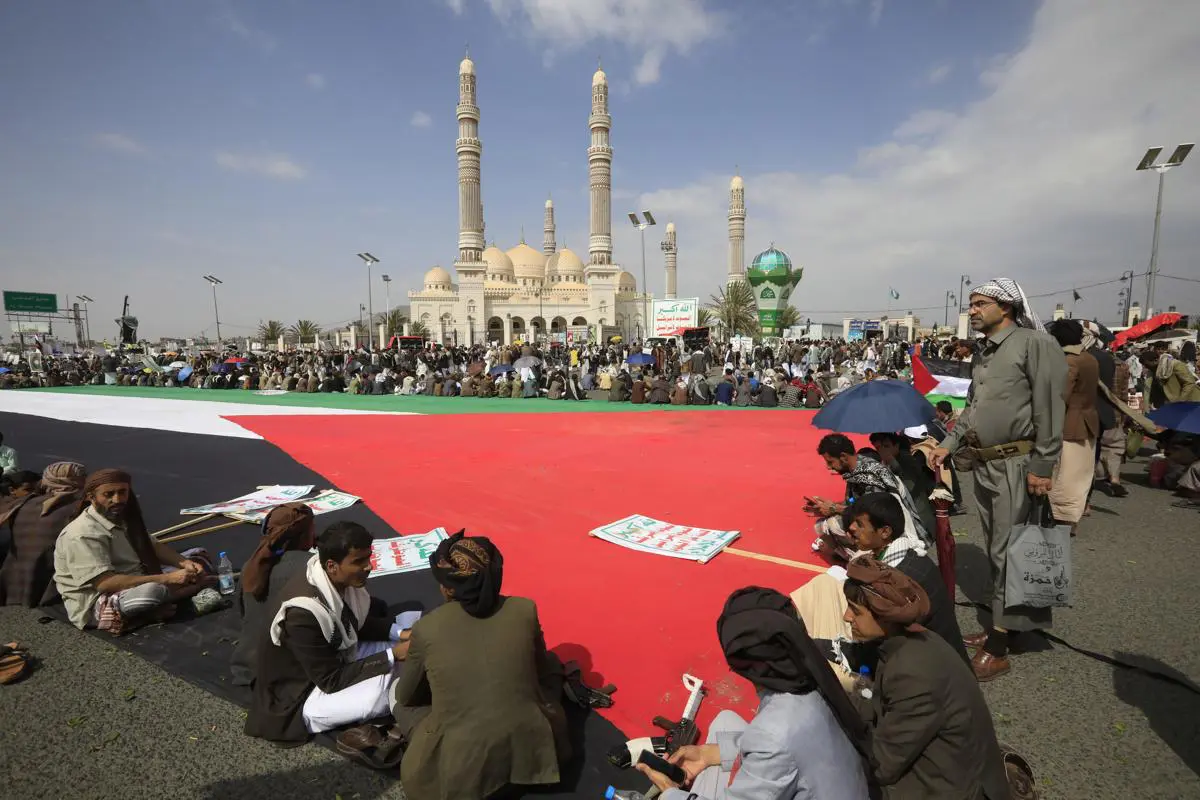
[360,737]
[975,639]
[988,667]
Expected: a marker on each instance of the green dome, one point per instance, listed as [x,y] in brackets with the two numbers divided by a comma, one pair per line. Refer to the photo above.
[771,262]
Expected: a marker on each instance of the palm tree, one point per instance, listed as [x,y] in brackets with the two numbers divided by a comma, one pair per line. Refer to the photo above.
[305,330]
[704,318]
[271,330]
[733,306]
[393,322]
[788,316]
[418,329]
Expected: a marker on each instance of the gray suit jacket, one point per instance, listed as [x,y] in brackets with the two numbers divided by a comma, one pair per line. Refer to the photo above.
[793,749]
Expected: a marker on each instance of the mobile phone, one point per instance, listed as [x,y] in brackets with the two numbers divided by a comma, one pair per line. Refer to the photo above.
[660,764]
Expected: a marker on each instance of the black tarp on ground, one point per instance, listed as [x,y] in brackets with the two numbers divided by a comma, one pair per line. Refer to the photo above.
[176,470]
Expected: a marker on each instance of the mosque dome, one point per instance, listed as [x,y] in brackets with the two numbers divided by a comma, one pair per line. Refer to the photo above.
[499,265]
[599,78]
[466,67]
[552,265]
[437,278]
[527,262]
[772,262]
[626,282]
[569,263]
[737,183]
[549,203]
[670,227]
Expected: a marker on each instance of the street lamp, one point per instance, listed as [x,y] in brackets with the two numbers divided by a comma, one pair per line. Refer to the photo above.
[369,260]
[641,225]
[387,305]
[963,280]
[216,313]
[1126,296]
[1147,163]
[950,298]
[86,323]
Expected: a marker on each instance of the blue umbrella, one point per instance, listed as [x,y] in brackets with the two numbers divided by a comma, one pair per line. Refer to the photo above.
[1183,417]
[184,374]
[4,370]
[875,406]
[500,369]
[640,358]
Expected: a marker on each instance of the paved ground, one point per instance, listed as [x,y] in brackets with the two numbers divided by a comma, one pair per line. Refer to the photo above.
[95,722]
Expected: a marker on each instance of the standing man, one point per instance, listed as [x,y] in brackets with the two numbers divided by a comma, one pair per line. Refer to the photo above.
[1013,428]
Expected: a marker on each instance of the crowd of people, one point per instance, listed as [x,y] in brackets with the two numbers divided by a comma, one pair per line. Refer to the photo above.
[1047,423]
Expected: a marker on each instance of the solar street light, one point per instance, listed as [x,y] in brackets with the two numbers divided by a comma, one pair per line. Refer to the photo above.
[641,226]
[215,281]
[369,259]
[1148,163]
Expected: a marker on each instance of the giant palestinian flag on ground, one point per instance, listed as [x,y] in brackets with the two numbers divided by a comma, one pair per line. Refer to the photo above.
[942,379]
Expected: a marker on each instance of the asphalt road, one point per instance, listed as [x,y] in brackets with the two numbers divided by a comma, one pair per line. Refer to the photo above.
[96,722]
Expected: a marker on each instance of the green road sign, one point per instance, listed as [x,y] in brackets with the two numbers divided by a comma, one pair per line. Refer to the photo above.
[31,302]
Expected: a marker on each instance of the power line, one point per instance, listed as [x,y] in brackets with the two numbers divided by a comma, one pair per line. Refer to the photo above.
[1177,278]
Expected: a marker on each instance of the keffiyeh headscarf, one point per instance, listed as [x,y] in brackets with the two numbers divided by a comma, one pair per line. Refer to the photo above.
[61,481]
[472,568]
[1006,290]
[870,475]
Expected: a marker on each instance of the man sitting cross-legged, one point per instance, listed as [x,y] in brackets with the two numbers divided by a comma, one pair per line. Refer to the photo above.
[109,570]
[324,661]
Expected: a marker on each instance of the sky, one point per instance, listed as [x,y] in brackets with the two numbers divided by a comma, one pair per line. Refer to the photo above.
[884,144]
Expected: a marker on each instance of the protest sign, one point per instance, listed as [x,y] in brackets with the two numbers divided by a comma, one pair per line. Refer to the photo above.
[323,503]
[264,498]
[650,535]
[405,553]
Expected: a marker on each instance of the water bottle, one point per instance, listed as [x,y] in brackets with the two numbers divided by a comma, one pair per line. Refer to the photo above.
[863,682]
[225,574]
[613,793]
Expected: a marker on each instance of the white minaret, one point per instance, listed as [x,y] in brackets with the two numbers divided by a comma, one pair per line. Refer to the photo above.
[671,251]
[600,173]
[737,230]
[469,149]
[549,246]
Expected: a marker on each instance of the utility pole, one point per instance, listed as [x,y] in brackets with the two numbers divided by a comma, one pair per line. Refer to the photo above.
[1147,163]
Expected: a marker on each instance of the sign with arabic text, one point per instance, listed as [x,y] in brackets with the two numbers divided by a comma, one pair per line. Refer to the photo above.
[669,316]
[405,553]
[31,302]
[267,497]
[650,535]
[323,503]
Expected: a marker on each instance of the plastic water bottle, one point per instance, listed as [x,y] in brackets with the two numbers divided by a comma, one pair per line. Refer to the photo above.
[225,574]
[863,682]
[613,793]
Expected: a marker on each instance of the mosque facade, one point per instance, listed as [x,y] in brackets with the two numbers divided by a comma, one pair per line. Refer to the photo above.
[522,293]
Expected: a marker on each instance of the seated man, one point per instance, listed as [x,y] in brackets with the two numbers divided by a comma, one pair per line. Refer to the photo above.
[109,570]
[8,458]
[324,661]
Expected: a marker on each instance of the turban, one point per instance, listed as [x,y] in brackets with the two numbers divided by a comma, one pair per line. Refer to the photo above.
[765,641]
[60,482]
[889,594]
[134,525]
[1006,290]
[285,528]
[473,569]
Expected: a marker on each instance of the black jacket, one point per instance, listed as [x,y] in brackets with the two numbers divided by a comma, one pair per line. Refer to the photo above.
[1108,370]
[942,619]
[254,615]
[302,661]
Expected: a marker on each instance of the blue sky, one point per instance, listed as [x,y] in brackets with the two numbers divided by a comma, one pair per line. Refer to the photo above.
[144,144]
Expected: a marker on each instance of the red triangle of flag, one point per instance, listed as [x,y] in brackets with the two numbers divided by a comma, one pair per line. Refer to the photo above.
[923,380]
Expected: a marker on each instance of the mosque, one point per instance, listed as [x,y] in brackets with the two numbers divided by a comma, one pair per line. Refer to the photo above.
[522,293]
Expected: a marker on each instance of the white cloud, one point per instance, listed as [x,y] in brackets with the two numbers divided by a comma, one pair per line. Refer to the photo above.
[120,143]
[875,13]
[315,80]
[938,74]
[270,165]
[457,6]
[1033,180]
[235,25]
[420,119]
[651,29]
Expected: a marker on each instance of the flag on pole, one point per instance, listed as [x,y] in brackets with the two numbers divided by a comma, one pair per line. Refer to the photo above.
[894,293]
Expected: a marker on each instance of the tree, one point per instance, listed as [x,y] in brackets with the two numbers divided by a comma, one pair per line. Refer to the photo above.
[393,322]
[788,316]
[733,306]
[704,318]
[305,330]
[418,329]
[271,330]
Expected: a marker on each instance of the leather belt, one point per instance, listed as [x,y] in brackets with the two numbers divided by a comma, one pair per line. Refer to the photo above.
[999,451]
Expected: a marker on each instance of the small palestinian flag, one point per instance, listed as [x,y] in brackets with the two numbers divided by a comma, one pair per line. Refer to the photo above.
[940,379]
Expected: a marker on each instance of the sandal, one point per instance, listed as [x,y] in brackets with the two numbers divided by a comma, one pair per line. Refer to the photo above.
[15,662]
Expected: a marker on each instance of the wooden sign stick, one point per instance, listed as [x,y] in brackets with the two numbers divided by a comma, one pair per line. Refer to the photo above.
[184,524]
[774,559]
[201,532]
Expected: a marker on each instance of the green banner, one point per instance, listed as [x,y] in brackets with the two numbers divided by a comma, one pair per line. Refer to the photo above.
[31,302]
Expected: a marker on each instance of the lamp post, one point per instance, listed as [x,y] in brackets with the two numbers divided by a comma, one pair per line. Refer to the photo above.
[641,225]
[1147,163]
[86,323]
[963,281]
[387,305]
[369,259]
[950,298]
[216,312]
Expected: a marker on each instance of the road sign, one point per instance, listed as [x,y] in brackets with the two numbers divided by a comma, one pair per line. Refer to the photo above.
[31,302]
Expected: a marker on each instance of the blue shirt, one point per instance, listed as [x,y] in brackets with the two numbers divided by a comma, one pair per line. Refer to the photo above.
[725,392]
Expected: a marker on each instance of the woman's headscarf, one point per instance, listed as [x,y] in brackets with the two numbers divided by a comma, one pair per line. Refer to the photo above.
[765,642]
[889,594]
[282,530]
[472,568]
[61,481]
[135,526]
